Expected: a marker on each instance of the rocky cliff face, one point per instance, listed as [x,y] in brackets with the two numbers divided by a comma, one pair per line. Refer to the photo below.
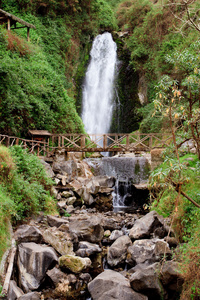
[128,99]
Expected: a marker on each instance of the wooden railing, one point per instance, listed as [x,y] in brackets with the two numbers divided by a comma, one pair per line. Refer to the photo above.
[39,147]
[112,142]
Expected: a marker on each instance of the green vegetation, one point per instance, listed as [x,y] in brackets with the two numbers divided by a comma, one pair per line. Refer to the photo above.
[24,190]
[37,90]
[170,184]
[162,41]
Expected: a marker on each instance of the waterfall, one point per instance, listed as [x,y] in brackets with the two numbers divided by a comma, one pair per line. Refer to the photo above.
[131,174]
[97,103]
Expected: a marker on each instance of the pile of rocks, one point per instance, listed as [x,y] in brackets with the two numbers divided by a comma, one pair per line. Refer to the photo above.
[99,255]
[75,185]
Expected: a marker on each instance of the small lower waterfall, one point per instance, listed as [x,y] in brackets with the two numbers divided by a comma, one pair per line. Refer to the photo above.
[131,176]
[97,103]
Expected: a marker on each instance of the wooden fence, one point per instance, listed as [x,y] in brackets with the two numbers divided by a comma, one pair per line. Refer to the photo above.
[110,142]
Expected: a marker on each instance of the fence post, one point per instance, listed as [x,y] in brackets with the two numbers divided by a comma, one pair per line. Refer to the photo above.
[150,142]
[82,141]
[127,142]
[104,141]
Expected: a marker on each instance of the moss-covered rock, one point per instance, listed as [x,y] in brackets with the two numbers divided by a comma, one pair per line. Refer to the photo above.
[74,263]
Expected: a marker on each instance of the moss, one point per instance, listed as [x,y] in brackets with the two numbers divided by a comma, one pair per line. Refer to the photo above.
[73,263]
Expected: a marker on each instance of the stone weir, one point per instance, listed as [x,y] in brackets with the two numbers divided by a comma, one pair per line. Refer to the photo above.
[90,251]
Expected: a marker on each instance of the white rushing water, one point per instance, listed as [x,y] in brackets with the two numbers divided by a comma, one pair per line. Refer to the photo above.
[97,103]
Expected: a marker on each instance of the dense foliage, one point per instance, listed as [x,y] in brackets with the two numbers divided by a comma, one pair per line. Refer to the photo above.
[169,183]
[37,90]
[24,189]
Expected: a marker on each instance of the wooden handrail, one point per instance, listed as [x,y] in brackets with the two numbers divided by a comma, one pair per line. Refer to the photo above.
[109,142]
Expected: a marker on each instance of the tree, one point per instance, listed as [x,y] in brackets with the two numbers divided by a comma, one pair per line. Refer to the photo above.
[187,12]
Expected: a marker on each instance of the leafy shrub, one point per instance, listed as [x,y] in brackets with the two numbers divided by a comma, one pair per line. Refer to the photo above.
[29,187]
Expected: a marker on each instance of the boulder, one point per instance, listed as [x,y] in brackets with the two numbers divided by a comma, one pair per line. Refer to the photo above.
[145,226]
[105,181]
[67,194]
[171,277]
[71,200]
[87,228]
[141,251]
[112,285]
[74,263]
[87,197]
[30,296]
[161,249]
[117,252]
[84,170]
[56,275]
[59,240]
[115,235]
[110,224]
[145,280]
[26,233]
[14,292]
[33,262]
[85,277]
[66,168]
[77,187]
[93,186]
[62,205]
[87,249]
[56,221]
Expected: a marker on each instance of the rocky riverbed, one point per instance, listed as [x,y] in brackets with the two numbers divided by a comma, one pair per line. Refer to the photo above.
[89,251]
[98,255]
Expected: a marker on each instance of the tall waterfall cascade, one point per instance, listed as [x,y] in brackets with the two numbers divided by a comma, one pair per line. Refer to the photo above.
[98,88]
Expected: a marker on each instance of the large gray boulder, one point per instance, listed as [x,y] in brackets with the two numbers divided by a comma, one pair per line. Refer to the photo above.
[145,226]
[112,285]
[117,252]
[59,240]
[87,228]
[145,280]
[54,221]
[141,251]
[87,249]
[33,262]
[27,233]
